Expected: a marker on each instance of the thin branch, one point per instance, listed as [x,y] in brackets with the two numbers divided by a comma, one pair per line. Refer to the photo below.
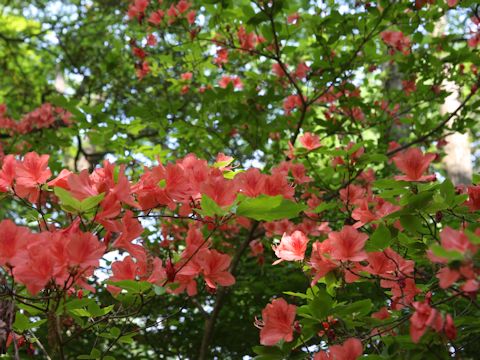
[35,338]
[221,294]
[437,128]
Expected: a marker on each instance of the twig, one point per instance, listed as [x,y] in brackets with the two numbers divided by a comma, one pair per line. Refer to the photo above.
[221,294]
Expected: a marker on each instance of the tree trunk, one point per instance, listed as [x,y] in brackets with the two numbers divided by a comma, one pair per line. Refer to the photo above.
[393,84]
[458,154]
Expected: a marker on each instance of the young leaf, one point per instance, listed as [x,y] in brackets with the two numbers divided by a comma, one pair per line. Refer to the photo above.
[379,240]
[210,208]
[411,223]
[451,255]
[269,208]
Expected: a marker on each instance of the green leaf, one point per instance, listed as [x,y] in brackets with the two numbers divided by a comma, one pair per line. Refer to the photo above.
[31,310]
[355,309]
[324,206]
[91,202]
[262,16]
[95,310]
[210,207]
[408,241]
[375,158]
[417,201]
[269,208]
[268,352]
[22,322]
[132,286]
[474,238]
[321,304]
[411,223]
[258,18]
[78,303]
[71,204]
[447,190]
[159,290]
[115,331]
[126,339]
[451,255]
[331,283]
[220,164]
[94,354]
[389,184]
[296,294]
[256,207]
[476,178]
[80,312]
[67,104]
[379,240]
[353,314]
[231,174]
[355,147]
[459,199]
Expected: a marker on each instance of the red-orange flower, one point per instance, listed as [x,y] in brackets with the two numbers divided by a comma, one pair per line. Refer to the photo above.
[292,247]
[277,322]
[413,163]
[424,317]
[310,141]
[351,349]
[31,172]
[13,239]
[214,267]
[347,244]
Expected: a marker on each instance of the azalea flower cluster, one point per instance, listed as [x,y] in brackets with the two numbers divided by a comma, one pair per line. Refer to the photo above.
[426,317]
[137,10]
[292,102]
[329,99]
[242,41]
[64,258]
[397,41]
[463,269]
[177,186]
[301,72]
[45,116]
[278,323]
[247,41]
[343,252]
[156,17]
[183,183]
